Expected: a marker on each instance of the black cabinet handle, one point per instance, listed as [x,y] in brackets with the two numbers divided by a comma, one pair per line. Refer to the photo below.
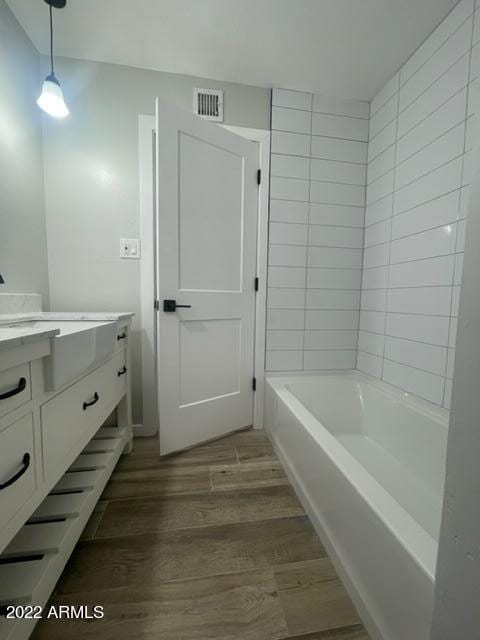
[122,336]
[96,398]
[169,306]
[19,474]
[122,371]
[22,383]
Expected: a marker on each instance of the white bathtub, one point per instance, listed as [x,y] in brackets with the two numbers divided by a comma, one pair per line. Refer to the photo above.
[368,463]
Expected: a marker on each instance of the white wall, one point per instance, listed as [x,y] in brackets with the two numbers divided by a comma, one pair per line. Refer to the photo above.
[419,164]
[92,185]
[317,191]
[23,248]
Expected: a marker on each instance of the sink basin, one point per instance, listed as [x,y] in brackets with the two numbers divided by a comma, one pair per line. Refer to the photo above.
[79,346]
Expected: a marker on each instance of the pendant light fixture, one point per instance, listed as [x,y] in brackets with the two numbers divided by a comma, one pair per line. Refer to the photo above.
[51,99]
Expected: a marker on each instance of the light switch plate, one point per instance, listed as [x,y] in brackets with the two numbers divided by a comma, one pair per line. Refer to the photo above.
[130,248]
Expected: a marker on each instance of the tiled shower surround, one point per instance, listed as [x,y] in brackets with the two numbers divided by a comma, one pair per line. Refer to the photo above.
[420,138]
[419,164]
[318,177]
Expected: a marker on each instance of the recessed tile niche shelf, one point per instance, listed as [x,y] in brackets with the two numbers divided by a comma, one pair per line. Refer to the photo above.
[34,560]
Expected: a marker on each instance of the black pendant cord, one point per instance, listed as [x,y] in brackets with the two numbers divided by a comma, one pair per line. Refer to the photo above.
[51,41]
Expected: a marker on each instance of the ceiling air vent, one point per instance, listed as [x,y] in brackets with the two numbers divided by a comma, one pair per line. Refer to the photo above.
[208,104]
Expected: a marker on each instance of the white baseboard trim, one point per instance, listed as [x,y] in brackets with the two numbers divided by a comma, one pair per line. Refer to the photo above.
[141,431]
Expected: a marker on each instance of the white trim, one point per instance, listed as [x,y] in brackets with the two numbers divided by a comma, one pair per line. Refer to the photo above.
[261,136]
[148,333]
[146,128]
[141,430]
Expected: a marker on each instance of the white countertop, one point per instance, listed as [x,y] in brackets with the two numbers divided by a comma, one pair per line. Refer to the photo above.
[101,316]
[16,336]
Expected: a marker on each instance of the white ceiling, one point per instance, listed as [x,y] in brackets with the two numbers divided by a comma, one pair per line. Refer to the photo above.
[344,48]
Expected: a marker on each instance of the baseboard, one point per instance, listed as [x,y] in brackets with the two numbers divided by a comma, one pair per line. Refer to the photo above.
[142,431]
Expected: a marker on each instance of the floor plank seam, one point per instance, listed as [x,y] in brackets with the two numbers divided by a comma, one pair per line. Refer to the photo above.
[191,579]
[279,482]
[211,526]
[200,526]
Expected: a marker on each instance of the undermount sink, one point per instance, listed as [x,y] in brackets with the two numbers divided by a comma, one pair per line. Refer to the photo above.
[79,346]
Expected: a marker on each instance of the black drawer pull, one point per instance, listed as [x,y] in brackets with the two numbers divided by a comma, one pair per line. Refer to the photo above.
[22,383]
[122,336]
[19,474]
[96,398]
[122,371]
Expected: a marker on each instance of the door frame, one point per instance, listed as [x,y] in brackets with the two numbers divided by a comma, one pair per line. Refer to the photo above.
[146,131]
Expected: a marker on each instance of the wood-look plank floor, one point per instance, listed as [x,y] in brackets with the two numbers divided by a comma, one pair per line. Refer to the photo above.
[209,544]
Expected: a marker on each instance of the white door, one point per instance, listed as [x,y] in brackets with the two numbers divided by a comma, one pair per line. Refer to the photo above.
[207,213]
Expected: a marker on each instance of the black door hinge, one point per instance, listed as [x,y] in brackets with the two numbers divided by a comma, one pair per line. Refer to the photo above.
[259,176]
[256,284]
[156,305]
[254,384]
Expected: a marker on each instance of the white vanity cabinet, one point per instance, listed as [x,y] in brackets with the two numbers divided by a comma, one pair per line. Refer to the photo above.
[71,418]
[55,459]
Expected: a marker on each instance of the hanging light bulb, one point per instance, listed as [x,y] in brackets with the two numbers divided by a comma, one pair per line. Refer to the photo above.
[51,99]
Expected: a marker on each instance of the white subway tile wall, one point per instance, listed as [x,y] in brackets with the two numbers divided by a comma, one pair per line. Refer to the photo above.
[377,287]
[317,217]
[421,128]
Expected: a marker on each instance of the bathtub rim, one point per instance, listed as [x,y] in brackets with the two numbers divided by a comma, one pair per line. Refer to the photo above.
[416,541]
[278,379]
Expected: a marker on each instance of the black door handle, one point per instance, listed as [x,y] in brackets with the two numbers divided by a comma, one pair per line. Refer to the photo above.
[122,336]
[19,474]
[122,371]
[169,306]
[96,398]
[22,383]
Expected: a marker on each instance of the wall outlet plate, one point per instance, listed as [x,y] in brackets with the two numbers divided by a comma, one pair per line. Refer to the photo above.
[130,248]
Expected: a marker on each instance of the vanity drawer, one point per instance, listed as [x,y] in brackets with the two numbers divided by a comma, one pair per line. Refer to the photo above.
[14,388]
[70,419]
[122,338]
[17,467]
